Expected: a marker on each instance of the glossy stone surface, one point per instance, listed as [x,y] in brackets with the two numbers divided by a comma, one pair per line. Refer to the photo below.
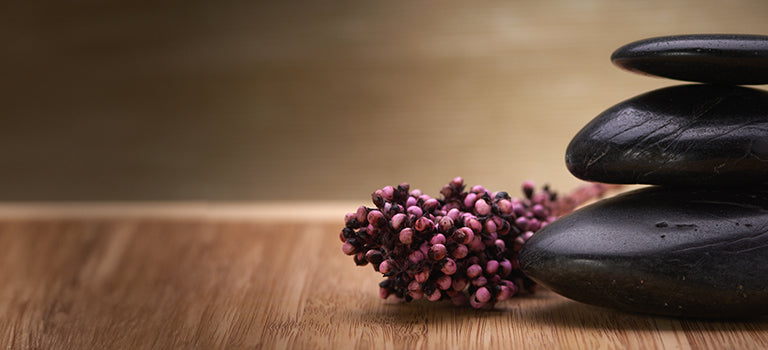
[682,135]
[660,250]
[708,58]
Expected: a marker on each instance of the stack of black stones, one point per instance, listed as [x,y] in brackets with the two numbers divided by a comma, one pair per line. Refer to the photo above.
[695,245]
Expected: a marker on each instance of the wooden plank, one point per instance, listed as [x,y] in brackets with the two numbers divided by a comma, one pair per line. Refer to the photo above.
[171,283]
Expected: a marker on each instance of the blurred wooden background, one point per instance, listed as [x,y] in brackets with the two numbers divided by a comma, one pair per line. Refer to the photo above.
[281,100]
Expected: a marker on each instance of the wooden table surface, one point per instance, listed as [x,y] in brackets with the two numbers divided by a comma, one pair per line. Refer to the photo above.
[266,275]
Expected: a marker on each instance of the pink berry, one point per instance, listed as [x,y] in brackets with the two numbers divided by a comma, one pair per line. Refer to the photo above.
[385,267]
[372,230]
[518,209]
[512,287]
[479,281]
[482,208]
[437,239]
[460,251]
[506,267]
[505,206]
[422,276]
[449,267]
[450,206]
[528,188]
[445,224]
[527,235]
[504,293]
[415,210]
[474,271]
[348,218]
[522,223]
[348,249]
[476,304]
[483,295]
[435,296]
[470,199]
[518,243]
[424,224]
[540,198]
[500,245]
[490,226]
[424,248]
[376,218]
[414,286]
[431,204]
[459,284]
[492,266]
[533,225]
[374,257]
[362,215]
[387,192]
[463,235]
[397,221]
[448,191]
[406,236]
[476,246]
[473,224]
[444,282]
[504,229]
[437,252]
[416,256]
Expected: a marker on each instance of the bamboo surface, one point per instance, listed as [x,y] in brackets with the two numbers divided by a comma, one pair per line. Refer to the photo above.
[241,276]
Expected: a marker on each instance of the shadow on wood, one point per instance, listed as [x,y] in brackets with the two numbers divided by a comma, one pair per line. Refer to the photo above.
[570,313]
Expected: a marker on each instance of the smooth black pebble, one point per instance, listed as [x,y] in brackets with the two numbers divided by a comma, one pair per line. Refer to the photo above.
[709,58]
[689,135]
[660,250]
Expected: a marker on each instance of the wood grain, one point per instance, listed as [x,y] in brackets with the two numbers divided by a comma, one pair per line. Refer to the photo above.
[175,281]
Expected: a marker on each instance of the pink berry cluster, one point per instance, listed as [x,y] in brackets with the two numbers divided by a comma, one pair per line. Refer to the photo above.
[463,247]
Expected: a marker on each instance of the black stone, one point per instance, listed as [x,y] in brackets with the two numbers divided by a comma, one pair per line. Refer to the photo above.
[687,135]
[660,250]
[708,58]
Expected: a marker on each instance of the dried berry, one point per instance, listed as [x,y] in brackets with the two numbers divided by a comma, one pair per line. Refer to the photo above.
[462,248]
